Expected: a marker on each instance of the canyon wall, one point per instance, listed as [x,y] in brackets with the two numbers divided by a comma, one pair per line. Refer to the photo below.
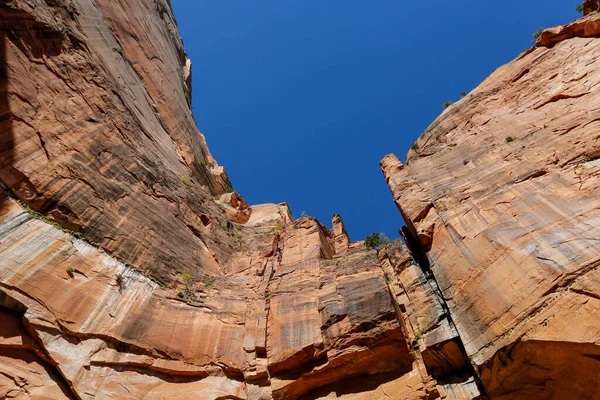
[501,194]
[130,269]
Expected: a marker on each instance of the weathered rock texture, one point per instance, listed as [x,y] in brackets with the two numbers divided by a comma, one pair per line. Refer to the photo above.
[97,132]
[502,195]
[132,270]
[288,316]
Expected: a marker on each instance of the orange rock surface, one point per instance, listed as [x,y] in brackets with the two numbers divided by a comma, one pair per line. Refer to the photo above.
[502,196]
[132,270]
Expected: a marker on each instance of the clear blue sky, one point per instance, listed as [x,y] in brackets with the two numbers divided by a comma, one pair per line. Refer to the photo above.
[300,99]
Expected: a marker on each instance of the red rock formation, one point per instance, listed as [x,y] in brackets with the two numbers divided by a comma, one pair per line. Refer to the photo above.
[502,194]
[289,316]
[142,275]
[100,135]
[588,26]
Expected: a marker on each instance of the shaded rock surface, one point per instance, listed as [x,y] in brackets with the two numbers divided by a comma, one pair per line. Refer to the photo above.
[97,131]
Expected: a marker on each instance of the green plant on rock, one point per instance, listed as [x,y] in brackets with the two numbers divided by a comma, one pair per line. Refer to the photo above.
[120,280]
[208,281]
[376,240]
[579,8]
[228,228]
[447,104]
[279,227]
[414,146]
[420,332]
[189,281]
[510,139]
[233,234]
[186,181]
[536,35]
[463,94]
[71,271]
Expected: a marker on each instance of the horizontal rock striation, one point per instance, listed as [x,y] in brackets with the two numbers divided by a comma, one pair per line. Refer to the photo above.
[292,315]
[131,269]
[502,195]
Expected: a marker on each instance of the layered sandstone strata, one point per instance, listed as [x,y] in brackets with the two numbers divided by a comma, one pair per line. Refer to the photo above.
[291,314]
[131,269]
[501,194]
[97,130]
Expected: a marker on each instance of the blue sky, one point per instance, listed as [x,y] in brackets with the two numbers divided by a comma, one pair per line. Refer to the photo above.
[300,99]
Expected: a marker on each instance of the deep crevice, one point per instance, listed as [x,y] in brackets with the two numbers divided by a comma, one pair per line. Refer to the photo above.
[421,259]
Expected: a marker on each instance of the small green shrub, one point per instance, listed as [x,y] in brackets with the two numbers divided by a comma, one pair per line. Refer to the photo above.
[208,281]
[204,164]
[186,181]
[71,271]
[579,8]
[279,227]
[233,234]
[447,104]
[303,214]
[414,146]
[536,35]
[228,228]
[189,281]
[376,240]
[420,332]
[510,139]
[120,279]
[463,94]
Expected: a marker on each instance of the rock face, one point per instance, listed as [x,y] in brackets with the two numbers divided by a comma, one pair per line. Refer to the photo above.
[289,315]
[502,196]
[130,269]
[97,131]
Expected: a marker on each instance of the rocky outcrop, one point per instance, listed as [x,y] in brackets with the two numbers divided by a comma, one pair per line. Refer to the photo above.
[501,193]
[588,26]
[290,315]
[97,131]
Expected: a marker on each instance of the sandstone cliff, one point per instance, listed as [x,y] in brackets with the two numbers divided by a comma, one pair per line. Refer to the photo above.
[501,194]
[130,269]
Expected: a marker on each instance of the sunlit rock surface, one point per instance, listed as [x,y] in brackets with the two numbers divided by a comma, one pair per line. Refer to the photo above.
[131,269]
[501,192]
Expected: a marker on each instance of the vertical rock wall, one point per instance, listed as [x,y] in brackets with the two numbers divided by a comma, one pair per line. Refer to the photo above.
[502,196]
[130,268]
